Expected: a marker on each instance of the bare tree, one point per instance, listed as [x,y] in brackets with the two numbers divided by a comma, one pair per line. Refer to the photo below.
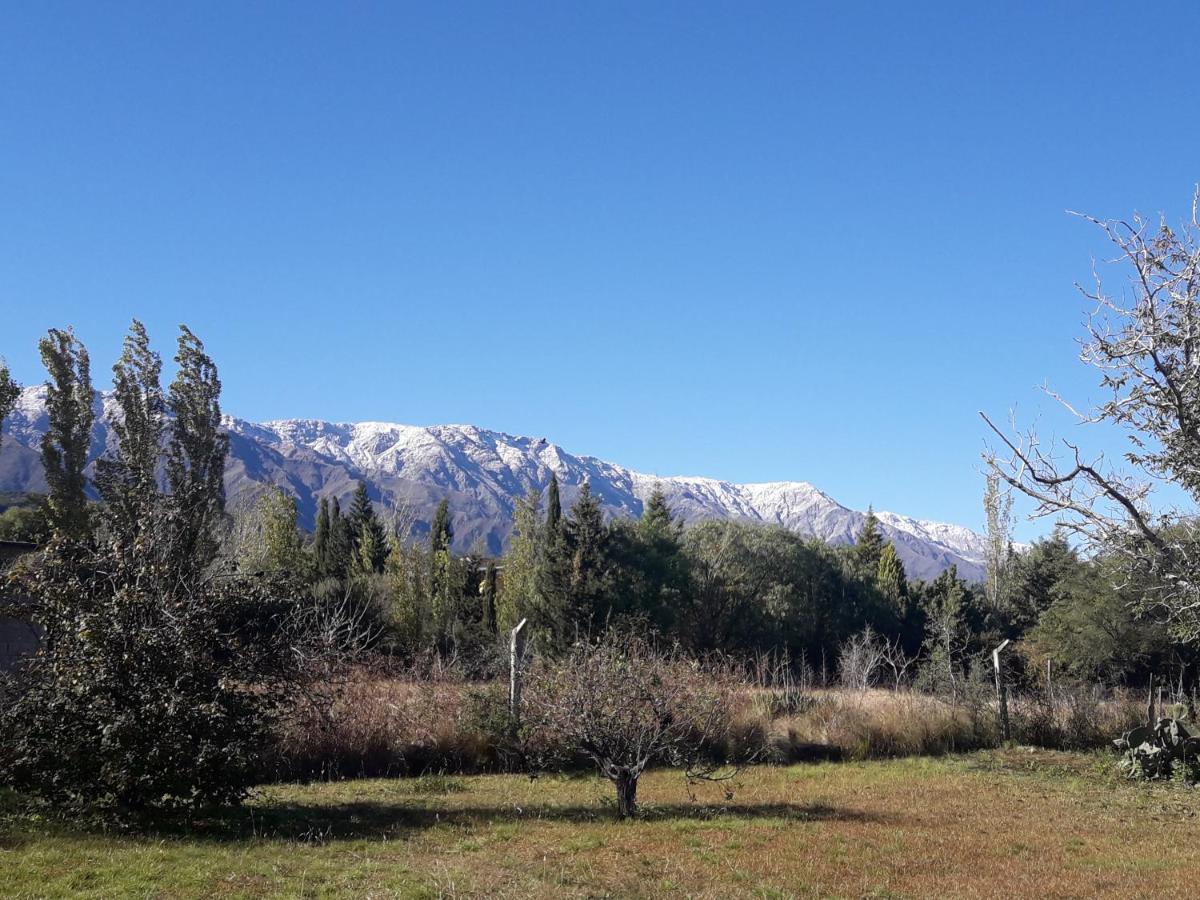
[892,656]
[626,704]
[860,656]
[1145,343]
[329,637]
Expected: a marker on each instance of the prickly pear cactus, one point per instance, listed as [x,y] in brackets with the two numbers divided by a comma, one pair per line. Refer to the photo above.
[1159,752]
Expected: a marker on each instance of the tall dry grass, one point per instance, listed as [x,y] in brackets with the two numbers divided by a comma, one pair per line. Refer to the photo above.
[408,725]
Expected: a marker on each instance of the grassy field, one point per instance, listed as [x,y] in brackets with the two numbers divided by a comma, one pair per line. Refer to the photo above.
[982,825]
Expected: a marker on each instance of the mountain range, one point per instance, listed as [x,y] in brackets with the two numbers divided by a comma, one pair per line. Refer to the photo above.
[482,473]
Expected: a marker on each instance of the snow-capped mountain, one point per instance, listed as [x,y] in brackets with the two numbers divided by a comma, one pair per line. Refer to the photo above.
[483,473]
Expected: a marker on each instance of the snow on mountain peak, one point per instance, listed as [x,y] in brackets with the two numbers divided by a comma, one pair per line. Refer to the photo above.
[484,472]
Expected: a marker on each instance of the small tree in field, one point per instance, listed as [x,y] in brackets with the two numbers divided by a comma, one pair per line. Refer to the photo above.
[626,704]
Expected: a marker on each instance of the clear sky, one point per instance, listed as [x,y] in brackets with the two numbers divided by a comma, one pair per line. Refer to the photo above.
[746,240]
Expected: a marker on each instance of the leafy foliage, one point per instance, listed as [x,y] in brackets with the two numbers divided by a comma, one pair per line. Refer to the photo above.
[68,437]
[154,684]
[149,691]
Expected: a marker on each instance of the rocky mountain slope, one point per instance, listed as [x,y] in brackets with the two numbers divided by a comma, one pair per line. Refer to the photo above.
[482,473]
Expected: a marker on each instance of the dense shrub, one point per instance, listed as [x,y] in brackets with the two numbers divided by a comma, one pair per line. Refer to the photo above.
[150,690]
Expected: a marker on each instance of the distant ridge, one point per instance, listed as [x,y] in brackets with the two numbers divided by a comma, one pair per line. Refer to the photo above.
[483,473]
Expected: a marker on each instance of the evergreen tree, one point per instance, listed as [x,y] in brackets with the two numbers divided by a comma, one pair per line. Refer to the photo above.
[588,546]
[321,540]
[370,539]
[653,577]
[1046,573]
[196,451]
[656,515]
[341,542]
[9,391]
[553,505]
[946,635]
[553,571]
[128,480]
[868,547]
[68,435]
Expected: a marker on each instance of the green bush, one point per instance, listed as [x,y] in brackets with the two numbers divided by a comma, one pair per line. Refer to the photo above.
[148,692]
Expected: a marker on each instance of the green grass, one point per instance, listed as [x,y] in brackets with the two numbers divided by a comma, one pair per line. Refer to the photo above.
[1012,823]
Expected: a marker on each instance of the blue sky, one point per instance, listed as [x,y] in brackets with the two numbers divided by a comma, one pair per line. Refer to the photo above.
[751,241]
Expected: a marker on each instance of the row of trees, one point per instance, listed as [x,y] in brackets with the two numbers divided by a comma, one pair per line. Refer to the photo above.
[162,668]
[717,586]
[727,586]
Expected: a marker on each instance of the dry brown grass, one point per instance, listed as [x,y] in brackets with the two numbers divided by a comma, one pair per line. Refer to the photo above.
[876,724]
[409,726]
[1017,823]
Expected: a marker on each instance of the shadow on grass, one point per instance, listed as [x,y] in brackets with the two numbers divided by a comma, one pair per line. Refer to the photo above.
[370,820]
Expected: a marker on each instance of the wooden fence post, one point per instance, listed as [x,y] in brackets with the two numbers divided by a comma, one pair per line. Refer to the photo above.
[1150,703]
[1001,691]
[516,652]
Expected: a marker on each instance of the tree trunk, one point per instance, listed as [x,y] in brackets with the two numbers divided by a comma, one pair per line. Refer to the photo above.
[626,782]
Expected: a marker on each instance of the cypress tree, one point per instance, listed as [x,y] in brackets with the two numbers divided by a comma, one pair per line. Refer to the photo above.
[196,451]
[68,436]
[9,391]
[341,542]
[554,565]
[127,481]
[321,539]
[553,505]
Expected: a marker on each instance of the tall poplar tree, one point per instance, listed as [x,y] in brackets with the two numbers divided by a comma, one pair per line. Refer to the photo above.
[68,436]
[196,451]
[891,579]
[518,594]
[997,506]
[442,583]
[9,393]
[127,480]
[441,532]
